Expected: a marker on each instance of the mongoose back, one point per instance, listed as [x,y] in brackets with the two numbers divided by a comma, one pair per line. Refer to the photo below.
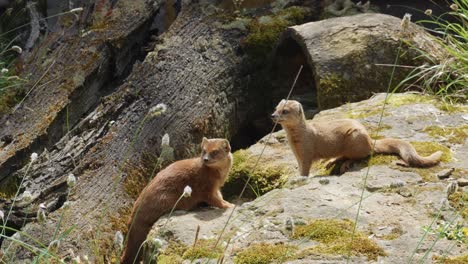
[205,175]
[343,139]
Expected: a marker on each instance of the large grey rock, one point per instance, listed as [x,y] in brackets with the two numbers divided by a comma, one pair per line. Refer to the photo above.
[398,203]
[346,59]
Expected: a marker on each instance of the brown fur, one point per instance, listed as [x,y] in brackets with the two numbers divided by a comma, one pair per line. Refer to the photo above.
[344,139]
[205,175]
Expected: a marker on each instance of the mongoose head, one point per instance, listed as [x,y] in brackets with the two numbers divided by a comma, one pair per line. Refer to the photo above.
[215,151]
[288,112]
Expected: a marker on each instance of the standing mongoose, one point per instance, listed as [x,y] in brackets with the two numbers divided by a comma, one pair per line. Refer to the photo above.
[343,139]
[205,175]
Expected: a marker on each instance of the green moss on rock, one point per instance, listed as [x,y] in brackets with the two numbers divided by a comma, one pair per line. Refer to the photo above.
[463,259]
[264,253]
[9,187]
[205,248]
[176,251]
[264,32]
[264,178]
[456,135]
[336,237]
[459,200]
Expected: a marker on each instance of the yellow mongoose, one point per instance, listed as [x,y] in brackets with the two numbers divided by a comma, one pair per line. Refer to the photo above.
[205,175]
[343,139]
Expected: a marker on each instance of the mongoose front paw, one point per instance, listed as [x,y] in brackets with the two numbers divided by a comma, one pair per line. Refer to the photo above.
[227,205]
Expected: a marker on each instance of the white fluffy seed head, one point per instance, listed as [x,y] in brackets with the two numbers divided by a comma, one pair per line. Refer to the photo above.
[157,243]
[187,191]
[157,110]
[165,140]
[34,157]
[118,239]
[27,196]
[17,49]
[71,180]
[76,10]
[405,21]
[428,12]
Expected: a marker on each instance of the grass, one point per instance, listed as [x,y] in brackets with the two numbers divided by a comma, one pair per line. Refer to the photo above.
[445,76]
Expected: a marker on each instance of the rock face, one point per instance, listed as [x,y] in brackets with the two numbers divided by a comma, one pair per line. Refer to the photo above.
[398,203]
[348,58]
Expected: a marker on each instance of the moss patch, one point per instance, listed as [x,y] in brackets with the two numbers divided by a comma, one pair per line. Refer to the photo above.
[456,135]
[139,175]
[264,253]
[173,253]
[426,99]
[459,200]
[264,32]
[176,251]
[265,177]
[204,248]
[336,237]
[9,187]
[394,234]
[455,260]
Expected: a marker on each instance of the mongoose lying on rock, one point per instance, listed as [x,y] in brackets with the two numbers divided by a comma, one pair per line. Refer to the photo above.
[343,139]
[205,175]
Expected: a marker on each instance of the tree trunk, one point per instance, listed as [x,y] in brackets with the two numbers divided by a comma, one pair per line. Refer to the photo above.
[194,70]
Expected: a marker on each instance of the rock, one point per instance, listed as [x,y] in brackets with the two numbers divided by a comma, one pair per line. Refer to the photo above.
[324,181]
[444,174]
[337,51]
[396,211]
[462,182]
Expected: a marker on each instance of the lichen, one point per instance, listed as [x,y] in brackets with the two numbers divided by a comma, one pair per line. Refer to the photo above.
[264,253]
[455,135]
[336,237]
[263,178]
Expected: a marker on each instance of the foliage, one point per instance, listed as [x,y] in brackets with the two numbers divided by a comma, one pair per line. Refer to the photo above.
[446,77]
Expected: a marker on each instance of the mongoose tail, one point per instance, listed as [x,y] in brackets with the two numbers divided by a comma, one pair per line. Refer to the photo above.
[137,234]
[406,152]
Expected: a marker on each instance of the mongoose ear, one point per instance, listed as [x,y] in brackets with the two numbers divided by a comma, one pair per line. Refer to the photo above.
[227,145]
[298,107]
[204,141]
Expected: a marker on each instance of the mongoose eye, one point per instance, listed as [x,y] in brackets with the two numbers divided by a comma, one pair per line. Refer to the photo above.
[285,112]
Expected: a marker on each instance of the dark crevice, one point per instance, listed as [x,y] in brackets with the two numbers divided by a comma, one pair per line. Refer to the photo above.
[276,82]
